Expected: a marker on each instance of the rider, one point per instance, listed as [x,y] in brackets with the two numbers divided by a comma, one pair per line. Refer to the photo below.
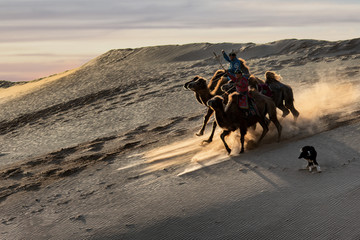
[236,64]
[241,84]
[240,81]
[246,102]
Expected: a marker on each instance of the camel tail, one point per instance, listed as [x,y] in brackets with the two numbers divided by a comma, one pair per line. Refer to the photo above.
[288,96]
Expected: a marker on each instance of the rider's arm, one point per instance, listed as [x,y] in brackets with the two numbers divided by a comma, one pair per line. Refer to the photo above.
[226,57]
[232,78]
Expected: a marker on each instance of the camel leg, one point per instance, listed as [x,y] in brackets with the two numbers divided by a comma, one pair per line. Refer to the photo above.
[222,136]
[291,107]
[267,121]
[206,119]
[284,110]
[265,129]
[294,112]
[242,138]
[212,134]
[278,126]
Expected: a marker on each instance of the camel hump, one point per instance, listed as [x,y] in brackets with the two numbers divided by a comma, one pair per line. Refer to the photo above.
[233,95]
[242,60]
[232,101]
[244,67]
[256,80]
[215,79]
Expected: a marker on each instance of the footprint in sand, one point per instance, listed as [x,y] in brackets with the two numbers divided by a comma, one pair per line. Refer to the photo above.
[243,170]
[79,218]
[8,221]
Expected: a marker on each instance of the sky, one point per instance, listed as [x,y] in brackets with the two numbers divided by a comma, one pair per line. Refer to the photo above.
[43,37]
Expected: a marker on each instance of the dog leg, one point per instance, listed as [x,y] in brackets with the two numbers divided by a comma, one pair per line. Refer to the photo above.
[313,164]
[310,165]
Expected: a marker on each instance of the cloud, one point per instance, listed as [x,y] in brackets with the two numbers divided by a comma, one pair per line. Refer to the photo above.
[41,15]
[57,20]
[36,29]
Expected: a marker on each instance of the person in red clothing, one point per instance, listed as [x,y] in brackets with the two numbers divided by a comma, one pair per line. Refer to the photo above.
[241,84]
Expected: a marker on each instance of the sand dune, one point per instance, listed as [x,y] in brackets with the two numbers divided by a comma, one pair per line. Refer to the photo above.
[108,150]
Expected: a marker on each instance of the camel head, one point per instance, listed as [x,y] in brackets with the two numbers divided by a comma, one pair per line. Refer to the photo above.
[187,83]
[272,77]
[216,103]
[196,84]
[253,82]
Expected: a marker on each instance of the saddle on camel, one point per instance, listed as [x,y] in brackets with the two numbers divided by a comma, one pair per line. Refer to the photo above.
[265,89]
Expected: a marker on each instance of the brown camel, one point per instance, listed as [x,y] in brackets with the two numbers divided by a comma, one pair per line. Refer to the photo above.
[282,93]
[204,92]
[232,118]
[265,105]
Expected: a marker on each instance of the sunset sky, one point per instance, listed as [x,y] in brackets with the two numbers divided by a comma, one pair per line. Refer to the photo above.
[39,38]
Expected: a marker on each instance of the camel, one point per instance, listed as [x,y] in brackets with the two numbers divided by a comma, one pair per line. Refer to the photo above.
[265,105]
[232,118]
[282,93]
[204,92]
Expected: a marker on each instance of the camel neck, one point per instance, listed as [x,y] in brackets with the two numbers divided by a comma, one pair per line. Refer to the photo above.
[221,118]
[205,96]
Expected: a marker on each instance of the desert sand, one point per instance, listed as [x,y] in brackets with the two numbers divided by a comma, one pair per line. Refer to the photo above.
[108,150]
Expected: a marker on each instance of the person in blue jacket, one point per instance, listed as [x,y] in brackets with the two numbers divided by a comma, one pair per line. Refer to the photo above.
[236,64]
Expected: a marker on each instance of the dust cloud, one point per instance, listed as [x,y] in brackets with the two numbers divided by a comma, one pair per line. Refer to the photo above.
[321,105]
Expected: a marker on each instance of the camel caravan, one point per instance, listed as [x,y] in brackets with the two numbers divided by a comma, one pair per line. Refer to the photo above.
[240,100]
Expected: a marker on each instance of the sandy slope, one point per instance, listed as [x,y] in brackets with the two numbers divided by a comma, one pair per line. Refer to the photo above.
[107,150]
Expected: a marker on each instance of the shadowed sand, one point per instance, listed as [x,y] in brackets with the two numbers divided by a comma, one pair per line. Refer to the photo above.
[107,151]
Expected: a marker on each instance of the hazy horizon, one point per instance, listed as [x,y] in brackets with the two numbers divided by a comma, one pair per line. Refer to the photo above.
[41,38]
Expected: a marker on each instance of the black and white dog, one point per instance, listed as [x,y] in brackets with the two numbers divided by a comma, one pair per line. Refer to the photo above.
[309,154]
